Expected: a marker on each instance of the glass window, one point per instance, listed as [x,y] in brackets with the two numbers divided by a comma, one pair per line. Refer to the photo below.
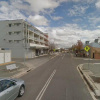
[10,41]
[16,41]
[18,32]
[10,33]
[0,87]
[5,84]
[17,24]
[9,25]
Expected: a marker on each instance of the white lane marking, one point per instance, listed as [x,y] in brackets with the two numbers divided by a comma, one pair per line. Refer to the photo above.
[63,56]
[96,63]
[54,56]
[88,59]
[40,95]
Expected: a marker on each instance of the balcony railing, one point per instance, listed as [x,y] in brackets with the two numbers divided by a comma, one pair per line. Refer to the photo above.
[42,41]
[37,45]
[36,39]
[38,33]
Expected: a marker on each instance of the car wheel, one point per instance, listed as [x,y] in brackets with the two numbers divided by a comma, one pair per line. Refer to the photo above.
[21,91]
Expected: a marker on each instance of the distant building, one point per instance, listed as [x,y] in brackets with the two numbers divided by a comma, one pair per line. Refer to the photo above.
[23,39]
[94,49]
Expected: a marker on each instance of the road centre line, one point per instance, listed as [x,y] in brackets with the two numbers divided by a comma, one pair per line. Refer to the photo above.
[40,95]
[63,56]
[53,57]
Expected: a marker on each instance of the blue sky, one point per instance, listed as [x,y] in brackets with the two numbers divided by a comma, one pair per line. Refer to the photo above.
[66,21]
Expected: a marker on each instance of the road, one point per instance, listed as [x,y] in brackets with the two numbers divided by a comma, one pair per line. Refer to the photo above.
[58,79]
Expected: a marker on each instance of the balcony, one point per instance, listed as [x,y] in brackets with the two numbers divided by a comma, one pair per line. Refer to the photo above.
[32,30]
[32,45]
[31,38]
[42,41]
[36,39]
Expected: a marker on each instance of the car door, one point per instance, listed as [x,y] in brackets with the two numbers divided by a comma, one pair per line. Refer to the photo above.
[10,89]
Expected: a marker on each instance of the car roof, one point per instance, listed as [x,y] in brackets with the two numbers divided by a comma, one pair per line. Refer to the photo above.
[4,79]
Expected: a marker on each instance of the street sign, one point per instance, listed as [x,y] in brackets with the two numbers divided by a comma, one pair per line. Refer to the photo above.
[54,50]
[87,48]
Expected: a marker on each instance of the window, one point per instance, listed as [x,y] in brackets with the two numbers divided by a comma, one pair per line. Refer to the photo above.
[10,41]
[0,87]
[18,32]
[17,24]
[5,84]
[9,25]
[10,33]
[16,41]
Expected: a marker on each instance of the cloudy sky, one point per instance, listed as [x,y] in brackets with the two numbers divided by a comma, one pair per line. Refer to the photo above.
[66,21]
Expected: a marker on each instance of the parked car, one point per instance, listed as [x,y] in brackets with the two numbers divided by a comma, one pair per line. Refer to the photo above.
[11,88]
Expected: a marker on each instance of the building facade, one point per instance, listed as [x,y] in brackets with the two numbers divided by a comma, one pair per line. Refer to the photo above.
[94,51]
[23,39]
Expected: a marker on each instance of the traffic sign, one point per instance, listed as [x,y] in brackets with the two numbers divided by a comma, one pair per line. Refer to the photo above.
[54,50]
[87,48]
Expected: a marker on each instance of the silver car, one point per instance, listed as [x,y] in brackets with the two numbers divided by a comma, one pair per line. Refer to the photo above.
[11,88]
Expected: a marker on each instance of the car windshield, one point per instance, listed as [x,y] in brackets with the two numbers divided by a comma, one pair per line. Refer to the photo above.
[50,49]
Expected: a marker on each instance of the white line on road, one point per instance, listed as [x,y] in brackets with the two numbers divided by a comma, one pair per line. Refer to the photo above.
[63,56]
[88,59]
[40,95]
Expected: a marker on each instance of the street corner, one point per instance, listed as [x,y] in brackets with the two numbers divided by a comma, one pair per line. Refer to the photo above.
[90,73]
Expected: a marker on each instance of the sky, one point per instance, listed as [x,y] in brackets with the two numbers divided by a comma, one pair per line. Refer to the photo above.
[65,21]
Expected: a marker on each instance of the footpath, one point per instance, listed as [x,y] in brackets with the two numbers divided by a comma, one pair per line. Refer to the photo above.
[91,73]
[24,66]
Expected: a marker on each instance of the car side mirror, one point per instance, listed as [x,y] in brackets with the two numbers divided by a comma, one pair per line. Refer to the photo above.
[14,83]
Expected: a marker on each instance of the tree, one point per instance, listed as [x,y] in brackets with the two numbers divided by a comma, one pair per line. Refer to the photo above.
[51,46]
[79,45]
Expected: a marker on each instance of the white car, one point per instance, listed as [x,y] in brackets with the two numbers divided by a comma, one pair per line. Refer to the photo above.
[11,88]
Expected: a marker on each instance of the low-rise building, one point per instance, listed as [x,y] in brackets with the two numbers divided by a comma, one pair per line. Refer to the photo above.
[94,49]
[23,39]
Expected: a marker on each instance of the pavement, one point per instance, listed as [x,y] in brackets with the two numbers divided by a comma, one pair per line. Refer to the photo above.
[24,67]
[57,79]
[6,73]
[91,72]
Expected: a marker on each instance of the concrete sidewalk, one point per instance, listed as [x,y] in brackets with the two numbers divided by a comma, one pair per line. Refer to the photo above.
[6,73]
[91,72]
[24,67]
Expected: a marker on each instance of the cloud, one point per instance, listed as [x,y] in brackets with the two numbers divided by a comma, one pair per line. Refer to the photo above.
[9,12]
[68,34]
[39,6]
[84,1]
[77,20]
[31,10]
[38,20]
[77,10]
[57,18]
[97,4]
[94,20]
[98,26]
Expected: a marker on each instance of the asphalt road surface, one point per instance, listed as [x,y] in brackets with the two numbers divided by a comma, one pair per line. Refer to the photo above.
[58,79]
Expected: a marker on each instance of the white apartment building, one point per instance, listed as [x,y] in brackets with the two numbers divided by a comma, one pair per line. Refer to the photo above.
[23,39]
